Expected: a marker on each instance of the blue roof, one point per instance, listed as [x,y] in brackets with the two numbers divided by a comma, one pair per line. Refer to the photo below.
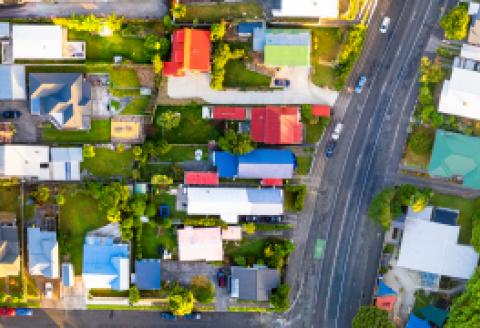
[247,27]
[263,196]
[147,274]
[268,156]
[384,289]
[226,163]
[67,274]
[416,322]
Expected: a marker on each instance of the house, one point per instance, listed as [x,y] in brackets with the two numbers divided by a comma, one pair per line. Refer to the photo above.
[431,246]
[228,113]
[460,95]
[200,244]
[416,322]
[456,156]
[12,82]
[68,279]
[230,203]
[42,253]
[147,274]
[9,247]
[258,164]
[385,296]
[245,29]
[40,162]
[106,260]
[321,110]
[276,125]
[306,8]
[62,98]
[44,42]
[283,47]
[201,178]
[253,284]
[190,52]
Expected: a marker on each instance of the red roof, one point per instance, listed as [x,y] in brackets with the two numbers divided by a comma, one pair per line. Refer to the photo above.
[321,110]
[190,51]
[276,125]
[385,302]
[201,178]
[229,113]
[271,182]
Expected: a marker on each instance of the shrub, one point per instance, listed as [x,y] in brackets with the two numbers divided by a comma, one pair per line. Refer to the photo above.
[249,228]
[202,288]
[280,298]
[297,196]
[236,143]
[421,141]
[455,22]
[204,222]
[133,295]
[180,301]
[88,151]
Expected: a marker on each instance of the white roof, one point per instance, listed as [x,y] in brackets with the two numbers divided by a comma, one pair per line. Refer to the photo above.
[4,29]
[307,8]
[229,203]
[24,161]
[12,82]
[37,41]
[461,95]
[432,247]
[265,170]
[425,214]
[473,8]
[66,154]
[470,51]
[198,244]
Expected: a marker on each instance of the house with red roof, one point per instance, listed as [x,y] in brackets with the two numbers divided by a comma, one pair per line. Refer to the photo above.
[321,110]
[201,178]
[276,125]
[190,52]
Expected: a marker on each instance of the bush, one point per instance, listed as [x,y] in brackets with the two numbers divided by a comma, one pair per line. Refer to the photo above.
[350,52]
[249,228]
[421,141]
[236,143]
[203,289]
[133,295]
[371,316]
[204,222]
[380,209]
[296,194]
[88,151]
[455,22]
[180,301]
[280,298]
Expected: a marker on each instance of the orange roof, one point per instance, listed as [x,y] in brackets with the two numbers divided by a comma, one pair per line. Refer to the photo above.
[385,302]
[276,125]
[321,110]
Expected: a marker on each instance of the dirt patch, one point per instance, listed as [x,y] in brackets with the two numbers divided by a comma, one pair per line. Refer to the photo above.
[146,76]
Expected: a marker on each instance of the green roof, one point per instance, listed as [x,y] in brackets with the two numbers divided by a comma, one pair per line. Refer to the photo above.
[456,155]
[433,314]
[287,55]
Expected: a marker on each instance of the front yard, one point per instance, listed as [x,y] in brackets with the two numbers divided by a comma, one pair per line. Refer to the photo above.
[304,163]
[238,76]
[222,10]
[99,133]
[109,163]
[315,131]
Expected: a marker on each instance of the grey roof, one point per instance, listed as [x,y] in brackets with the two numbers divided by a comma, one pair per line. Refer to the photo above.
[287,37]
[260,171]
[147,274]
[12,82]
[9,237]
[255,283]
[4,30]
[66,154]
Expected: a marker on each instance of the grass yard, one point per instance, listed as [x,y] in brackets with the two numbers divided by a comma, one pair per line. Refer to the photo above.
[137,106]
[326,43]
[79,215]
[315,131]
[182,153]
[103,49]
[414,159]
[192,128]
[123,77]
[151,241]
[324,76]
[238,76]
[222,10]
[108,163]
[465,206]
[248,248]
[9,198]
[99,133]
[304,163]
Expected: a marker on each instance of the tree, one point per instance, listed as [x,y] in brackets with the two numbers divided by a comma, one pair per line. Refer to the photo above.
[425,95]
[276,252]
[240,260]
[221,55]
[296,195]
[168,120]
[151,210]
[167,22]
[161,180]
[157,45]
[280,298]
[133,295]
[157,64]
[307,116]
[380,208]
[179,10]
[404,194]
[419,201]
[42,194]
[138,206]
[137,152]
[371,317]
[475,239]
[217,31]
[421,141]
[163,147]
[113,22]
[180,301]
[88,151]
[249,228]
[465,310]
[114,215]
[60,199]
[202,288]
[455,22]
[120,148]
[235,143]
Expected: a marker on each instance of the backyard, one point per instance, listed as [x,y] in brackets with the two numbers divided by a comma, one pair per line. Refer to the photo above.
[99,133]
[249,248]
[9,198]
[108,163]
[222,10]
[137,106]
[151,241]
[315,131]
[183,153]
[238,76]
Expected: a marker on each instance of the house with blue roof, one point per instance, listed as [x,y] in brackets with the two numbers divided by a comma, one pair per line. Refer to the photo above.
[245,29]
[62,98]
[42,253]
[147,274]
[106,260]
[258,164]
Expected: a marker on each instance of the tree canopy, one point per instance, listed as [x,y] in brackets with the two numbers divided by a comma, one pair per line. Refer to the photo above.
[180,301]
[235,143]
[168,120]
[133,295]
[202,288]
[371,317]
[421,140]
[179,10]
[217,31]
[380,209]
[465,310]
[280,298]
[455,22]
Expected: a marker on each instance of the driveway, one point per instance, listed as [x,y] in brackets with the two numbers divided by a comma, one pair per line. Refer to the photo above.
[301,90]
[26,125]
[127,8]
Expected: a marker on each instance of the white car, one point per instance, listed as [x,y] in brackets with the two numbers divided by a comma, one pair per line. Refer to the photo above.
[385,24]
[48,290]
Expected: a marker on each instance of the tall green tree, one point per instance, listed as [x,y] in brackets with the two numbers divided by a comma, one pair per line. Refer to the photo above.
[179,10]
[217,31]
[280,298]
[202,288]
[380,209]
[180,301]
[455,22]
[371,317]
[235,143]
[465,310]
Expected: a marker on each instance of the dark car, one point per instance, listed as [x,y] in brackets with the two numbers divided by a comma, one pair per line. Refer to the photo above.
[330,148]
[360,83]
[222,278]
[10,114]
[281,83]
[24,312]
[7,312]
[193,316]
[168,316]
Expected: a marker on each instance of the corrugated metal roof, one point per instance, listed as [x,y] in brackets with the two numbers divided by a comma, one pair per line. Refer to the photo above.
[201,178]
[229,113]
[147,274]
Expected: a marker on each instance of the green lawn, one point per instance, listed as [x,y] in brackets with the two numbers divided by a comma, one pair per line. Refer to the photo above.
[238,76]
[315,131]
[466,208]
[9,198]
[108,163]
[183,153]
[192,128]
[123,77]
[304,163]
[324,76]
[326,43]
[137,106]
[150,241]
[103,49]
[99,133]
[79,215]
[222,10]
[247,248]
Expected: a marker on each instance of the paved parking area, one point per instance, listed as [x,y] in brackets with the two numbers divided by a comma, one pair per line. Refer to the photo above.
[26,125]
[301,90]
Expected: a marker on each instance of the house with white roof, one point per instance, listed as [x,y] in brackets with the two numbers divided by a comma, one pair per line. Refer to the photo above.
[200,244]
[306,8]
[43,253]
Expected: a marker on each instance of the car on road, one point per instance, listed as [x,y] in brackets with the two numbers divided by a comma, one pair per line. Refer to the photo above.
[360,83]
[7,312]
[48,290]
[384,25]
[282,83]
[332,143]
[24,312]
[168,316]
[193,316]
[11,114]
[330,148]
[221,278]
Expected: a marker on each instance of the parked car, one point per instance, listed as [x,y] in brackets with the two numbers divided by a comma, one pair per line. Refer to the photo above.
[11,114]
[7,312]
[360,83]
[48,290]
[24,312]
[282,83]
[332,143]
[193,316]
[168,316]
[330,148]
[222,278]
[384,25]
